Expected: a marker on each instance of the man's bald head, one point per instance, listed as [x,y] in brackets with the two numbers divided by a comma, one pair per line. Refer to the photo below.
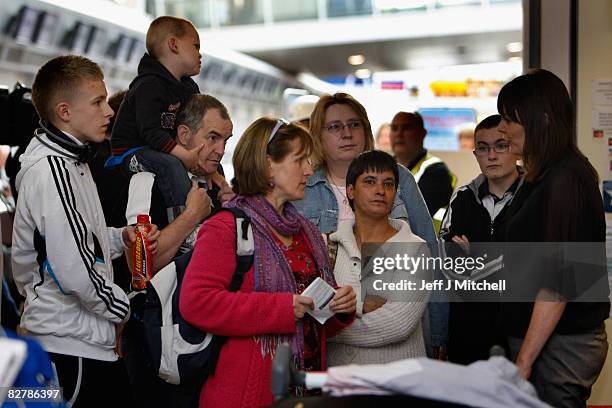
[413,117]
[407,135]
[164,27]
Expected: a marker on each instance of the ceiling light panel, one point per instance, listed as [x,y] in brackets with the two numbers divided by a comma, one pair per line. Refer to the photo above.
[356,59]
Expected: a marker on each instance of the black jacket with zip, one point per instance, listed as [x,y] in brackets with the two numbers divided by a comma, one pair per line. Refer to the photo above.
[474,327]
[148,111]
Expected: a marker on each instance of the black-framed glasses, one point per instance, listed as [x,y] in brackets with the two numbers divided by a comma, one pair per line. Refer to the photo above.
[280,122]
[337,127]
[483,150]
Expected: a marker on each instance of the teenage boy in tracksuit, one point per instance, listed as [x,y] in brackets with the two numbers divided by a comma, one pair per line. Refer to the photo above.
[62,249]
[474,212]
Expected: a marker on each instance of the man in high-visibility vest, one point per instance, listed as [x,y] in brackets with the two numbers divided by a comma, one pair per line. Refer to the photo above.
[434,178]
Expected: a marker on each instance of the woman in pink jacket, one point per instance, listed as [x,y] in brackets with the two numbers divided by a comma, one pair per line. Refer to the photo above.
[271,165]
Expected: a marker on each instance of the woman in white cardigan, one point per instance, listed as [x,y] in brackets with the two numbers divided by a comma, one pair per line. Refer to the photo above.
[387,327]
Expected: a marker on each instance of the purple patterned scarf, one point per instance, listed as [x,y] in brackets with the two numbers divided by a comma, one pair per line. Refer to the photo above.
[272,271]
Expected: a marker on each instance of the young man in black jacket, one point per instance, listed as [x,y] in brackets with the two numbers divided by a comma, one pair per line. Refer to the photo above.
[473,215]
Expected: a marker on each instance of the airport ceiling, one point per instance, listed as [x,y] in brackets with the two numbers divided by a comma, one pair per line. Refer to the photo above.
[394,55]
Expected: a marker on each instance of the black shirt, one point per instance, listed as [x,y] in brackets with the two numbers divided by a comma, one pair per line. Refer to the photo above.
[563,206]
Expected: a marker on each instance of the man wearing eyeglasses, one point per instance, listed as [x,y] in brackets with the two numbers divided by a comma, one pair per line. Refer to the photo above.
[474,214]
[435,180]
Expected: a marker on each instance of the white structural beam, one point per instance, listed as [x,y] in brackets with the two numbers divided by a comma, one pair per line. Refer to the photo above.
[432,23]
[107,11]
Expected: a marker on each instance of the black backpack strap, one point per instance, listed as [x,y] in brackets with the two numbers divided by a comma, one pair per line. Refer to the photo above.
[244,246]
[181,262]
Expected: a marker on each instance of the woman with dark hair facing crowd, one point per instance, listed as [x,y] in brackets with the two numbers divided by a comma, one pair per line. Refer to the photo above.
[558,344]
[271,165]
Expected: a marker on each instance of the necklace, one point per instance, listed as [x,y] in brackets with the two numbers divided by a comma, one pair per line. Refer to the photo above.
[337,188]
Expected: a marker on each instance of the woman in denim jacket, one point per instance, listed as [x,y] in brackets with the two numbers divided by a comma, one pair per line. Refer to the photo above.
[341,131]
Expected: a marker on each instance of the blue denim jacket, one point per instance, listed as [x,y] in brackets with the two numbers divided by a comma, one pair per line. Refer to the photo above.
[321,208]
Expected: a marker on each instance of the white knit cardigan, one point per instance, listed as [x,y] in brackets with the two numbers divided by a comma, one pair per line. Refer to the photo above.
[390,333]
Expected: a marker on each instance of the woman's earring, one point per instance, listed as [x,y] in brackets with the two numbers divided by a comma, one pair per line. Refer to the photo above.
[271,183]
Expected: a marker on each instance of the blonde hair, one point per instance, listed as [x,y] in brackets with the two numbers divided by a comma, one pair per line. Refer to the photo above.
[163,27]
[58,78]
[250,158]
[317,121]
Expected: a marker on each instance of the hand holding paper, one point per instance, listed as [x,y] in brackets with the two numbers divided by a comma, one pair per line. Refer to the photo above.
[301,304]
[321,294]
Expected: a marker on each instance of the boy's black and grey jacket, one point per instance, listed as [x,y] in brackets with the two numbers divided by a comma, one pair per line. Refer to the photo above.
[474,326]
[147,114]
[61,255]
[473,212]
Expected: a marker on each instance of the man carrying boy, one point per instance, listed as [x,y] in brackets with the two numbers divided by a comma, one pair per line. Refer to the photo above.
[473,215]
[144,133]
[202,120]
[62,249]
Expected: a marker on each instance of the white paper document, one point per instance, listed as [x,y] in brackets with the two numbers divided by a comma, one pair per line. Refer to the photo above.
[321,294]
